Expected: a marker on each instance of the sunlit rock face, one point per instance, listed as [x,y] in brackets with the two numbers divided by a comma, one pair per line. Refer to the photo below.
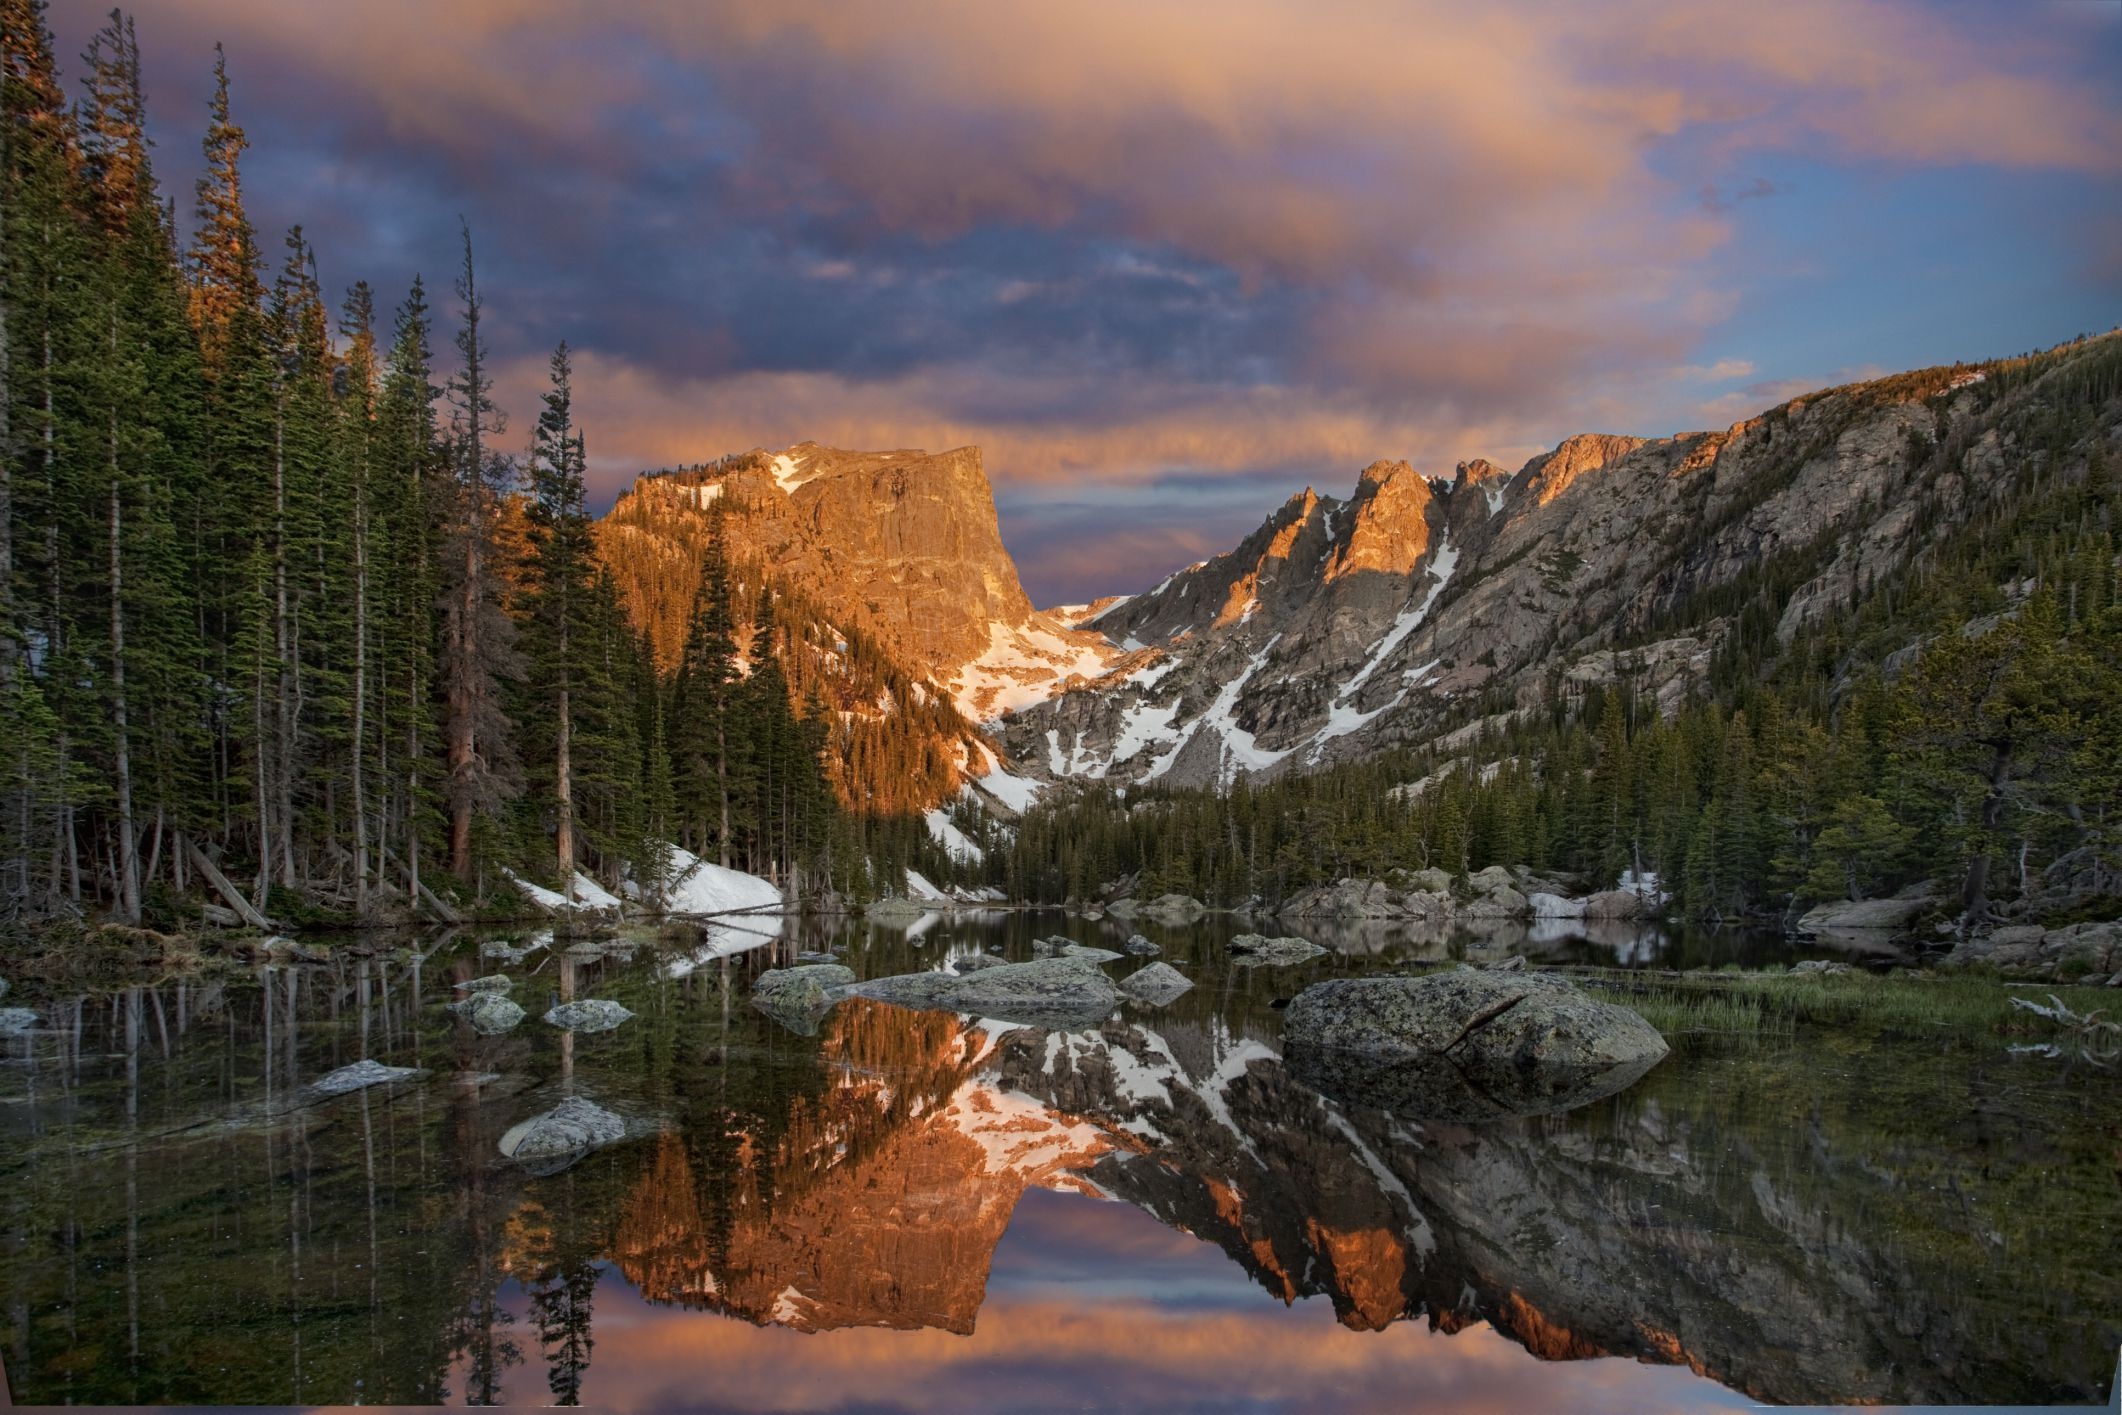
[901,545]
[1345,625]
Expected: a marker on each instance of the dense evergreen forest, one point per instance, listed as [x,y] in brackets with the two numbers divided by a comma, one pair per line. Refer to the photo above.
[287,620]
[1958,723]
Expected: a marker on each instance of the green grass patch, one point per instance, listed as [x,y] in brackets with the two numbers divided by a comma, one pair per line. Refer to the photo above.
[1748,1008]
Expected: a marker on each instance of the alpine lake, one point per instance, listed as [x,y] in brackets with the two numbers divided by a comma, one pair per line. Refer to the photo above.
[1881,1193]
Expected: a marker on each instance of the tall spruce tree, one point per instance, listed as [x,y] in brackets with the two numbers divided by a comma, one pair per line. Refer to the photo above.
[478,637]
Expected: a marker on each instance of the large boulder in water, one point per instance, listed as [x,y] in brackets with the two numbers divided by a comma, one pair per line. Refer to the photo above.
[359,1077]
[1466,1045]
[798,997]
[1259,951]
[549,1143]
[489,1012]
[591,1014]
[1174,909]
[1157,985]
[1046,992]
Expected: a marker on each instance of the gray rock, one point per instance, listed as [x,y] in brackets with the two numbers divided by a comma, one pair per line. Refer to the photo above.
[16,1019]
[548,1143]
[1089,954]
[1123,909]
[591,1014]
[1052,947]
[893,909]
[1554,906]
[1467,1045]
[1344,899]
[974,962]
[810,988]
[1489,880]
[1429,881]
[1142,946]
[1613,904]
[1257,951]
[814,956]
[489,1012]
[360,1076]
[1504,902]
[1057,992]
[1818,966]
[1843,916]
[1156,984]
[1175,909]
[492,982]
[4,986]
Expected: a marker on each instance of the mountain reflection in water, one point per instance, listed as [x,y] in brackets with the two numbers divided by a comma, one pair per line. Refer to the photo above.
[931,1211]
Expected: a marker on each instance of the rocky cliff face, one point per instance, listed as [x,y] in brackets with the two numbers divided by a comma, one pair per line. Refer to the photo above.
[1345,625]
[1407,609]
[904,544]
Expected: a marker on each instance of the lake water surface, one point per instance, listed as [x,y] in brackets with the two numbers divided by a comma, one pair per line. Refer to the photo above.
[923,1211]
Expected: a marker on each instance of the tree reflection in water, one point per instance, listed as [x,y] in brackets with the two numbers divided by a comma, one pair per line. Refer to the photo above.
[1829,1218]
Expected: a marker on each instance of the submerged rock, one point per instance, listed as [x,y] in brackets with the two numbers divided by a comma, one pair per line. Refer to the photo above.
[549,1143]
[1468,1045]
[1258,951]
[1045,992]
[360,1076]
[492,982]
[593,1014]
[1174,909]
[1139,945]
[489,1012]
[1157,984]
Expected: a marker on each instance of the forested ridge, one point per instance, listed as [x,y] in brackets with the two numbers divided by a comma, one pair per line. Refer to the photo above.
[1958,723]
[287,613]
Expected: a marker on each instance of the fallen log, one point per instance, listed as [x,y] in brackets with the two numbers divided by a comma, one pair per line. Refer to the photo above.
[243,908]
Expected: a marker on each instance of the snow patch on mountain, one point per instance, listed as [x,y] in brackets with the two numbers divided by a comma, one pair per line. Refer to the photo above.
[1025,664]
[789,473]
[954,841]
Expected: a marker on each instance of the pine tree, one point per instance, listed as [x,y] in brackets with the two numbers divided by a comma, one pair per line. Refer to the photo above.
[478,638]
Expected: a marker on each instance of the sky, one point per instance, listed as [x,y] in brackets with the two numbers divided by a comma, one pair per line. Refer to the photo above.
[1167,262]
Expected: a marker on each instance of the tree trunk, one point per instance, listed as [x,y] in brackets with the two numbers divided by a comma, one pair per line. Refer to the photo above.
[1974,892]
[461,745]
[360,738]
[284,649]
[228,892]
[563,787]
[128,863]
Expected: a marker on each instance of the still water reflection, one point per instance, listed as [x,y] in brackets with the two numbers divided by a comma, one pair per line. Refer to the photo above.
[928,1211]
